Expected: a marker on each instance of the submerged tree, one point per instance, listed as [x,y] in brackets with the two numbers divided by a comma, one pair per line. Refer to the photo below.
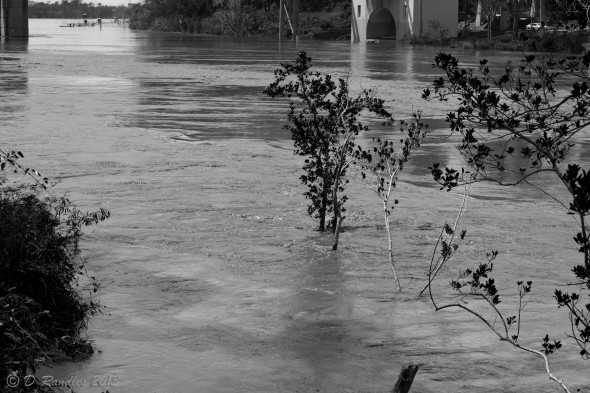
[323,121]
[524,114]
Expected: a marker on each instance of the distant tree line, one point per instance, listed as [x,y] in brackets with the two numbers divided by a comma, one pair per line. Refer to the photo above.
[74,9]
[231,17]
[151,13]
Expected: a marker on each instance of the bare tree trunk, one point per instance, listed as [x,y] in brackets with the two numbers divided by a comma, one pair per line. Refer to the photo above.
[405,379]
[391,261]
[337,232]
[421,20]
[282,20]
[515,18]
[338,218]
[325,190]
[324,206]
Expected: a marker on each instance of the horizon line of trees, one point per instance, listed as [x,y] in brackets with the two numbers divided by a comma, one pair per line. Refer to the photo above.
[74,9]
[195,9]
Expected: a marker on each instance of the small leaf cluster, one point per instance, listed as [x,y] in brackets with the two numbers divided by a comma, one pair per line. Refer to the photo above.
[478,280]
[550,347]
[448,246]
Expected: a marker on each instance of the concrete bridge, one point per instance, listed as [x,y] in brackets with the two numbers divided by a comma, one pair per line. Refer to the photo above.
[401,19]
[14,18]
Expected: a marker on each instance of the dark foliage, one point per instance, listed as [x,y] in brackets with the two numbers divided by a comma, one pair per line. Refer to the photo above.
[42,304]
[74,9]
[230,17]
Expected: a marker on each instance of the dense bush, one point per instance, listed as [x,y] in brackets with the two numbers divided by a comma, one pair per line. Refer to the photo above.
[141,18]
[42,304]
[437,34]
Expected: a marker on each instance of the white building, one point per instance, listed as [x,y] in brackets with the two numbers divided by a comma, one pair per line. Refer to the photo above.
[401,19]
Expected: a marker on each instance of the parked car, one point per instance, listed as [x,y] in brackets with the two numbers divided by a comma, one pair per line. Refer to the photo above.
[534,26]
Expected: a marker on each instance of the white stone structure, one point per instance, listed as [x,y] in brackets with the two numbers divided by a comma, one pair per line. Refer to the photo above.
[401,19]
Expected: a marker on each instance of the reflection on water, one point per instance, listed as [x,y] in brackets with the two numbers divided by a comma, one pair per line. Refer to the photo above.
[13,77]
[319,319]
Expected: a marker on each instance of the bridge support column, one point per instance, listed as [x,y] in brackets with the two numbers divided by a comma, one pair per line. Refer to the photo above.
[14,18]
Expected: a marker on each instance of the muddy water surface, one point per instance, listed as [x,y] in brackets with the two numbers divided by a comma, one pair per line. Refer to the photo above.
[213,278]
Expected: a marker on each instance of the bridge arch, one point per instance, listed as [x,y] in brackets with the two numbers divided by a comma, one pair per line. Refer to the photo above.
[400,19]
[381,24]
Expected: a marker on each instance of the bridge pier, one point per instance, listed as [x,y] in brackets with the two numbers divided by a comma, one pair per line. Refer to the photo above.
[14,18]
[401,20]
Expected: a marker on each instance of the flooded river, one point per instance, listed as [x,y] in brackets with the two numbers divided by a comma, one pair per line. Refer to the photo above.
[213,277]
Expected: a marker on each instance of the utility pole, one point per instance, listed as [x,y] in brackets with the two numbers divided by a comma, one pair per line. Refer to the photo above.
[281,19]
[289,11]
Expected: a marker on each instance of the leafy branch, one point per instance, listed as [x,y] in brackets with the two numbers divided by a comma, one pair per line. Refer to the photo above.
[479,284]
[10,160]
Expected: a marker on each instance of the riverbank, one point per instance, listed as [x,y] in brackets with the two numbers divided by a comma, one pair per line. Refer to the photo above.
[549,41]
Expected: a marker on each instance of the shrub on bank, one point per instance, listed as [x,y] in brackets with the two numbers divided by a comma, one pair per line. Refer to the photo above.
[42,304]
[141,19]
[166,23]
[437,34]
